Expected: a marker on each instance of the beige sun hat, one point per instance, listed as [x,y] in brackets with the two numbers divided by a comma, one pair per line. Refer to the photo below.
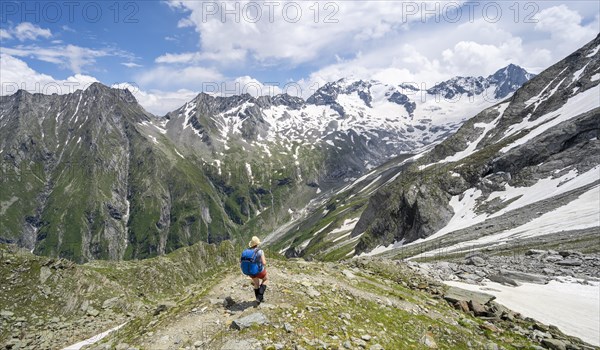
[254,242]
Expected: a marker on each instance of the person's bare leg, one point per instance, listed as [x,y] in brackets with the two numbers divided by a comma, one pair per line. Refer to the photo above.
[265,280]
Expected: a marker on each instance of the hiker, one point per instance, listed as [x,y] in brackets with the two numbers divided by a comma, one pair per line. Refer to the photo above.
[253,264]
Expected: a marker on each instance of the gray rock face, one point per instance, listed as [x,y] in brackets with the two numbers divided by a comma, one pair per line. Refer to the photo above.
[454,295]
[247,321]
[554,344]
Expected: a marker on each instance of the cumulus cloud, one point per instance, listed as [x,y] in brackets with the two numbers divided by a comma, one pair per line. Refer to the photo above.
[158,102]
[15,74]
[291,31]
[249,85]
[565,26]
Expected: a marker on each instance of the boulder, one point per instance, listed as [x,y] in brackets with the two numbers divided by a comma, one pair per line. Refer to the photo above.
[462,305]
[245,322]
[490,327]
[503,280]
[553,258]
[554,344]
[6,314]
[524,277]
[569,262]
[454,294]
[313,293]
[110,303]
[477,308]
[93,312]
[428,341]
[476,261]
[349,274]
[531,252]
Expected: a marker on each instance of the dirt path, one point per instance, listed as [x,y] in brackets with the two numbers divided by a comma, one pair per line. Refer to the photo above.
[200,326]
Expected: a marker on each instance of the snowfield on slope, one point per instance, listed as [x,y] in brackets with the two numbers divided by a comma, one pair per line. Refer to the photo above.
[570,306]
[465,208]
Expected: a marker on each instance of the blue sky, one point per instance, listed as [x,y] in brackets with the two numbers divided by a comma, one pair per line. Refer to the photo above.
[171,50]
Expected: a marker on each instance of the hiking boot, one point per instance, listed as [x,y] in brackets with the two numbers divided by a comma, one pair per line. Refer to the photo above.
[257,295]
[261,293]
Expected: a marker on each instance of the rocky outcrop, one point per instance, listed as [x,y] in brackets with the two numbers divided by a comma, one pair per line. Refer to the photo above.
[83,179]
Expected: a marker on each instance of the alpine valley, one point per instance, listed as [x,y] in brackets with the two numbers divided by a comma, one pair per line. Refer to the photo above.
[394,216]
[92,175]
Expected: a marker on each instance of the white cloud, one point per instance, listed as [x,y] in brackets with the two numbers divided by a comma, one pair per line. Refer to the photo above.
[186,57]
[156,101]
[25,31]
[185,23]
[29,31]
[4,34]
[191,77]
[291,31]
[472,58]
[565,26]
[131,64]
[15,74]
[75,58]
[376,39]
[249,85]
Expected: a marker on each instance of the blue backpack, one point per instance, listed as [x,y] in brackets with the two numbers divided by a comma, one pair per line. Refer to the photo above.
[250,262]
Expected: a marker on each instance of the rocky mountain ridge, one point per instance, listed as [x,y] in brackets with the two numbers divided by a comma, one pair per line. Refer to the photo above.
[92,175]
[541,144]
[528,162]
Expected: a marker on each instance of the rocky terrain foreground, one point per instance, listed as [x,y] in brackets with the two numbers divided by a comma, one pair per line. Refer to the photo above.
[360,304]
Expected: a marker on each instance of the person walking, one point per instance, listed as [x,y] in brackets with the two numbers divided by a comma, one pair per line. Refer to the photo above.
[253,264]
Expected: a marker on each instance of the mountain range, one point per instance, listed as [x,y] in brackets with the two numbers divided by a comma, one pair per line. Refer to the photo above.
[523,170]
[92,175]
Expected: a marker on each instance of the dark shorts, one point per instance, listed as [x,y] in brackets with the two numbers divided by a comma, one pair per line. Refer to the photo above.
[261,274]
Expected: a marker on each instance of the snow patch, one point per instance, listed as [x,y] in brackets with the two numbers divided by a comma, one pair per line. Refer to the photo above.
[574,307]
[576,105]
[76,109]
[472,146]
[463,206]
[218,162]
[179,154]
[93,339]
[578,73]
[348,225]
[578,214]
[594,52]
[249,171]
